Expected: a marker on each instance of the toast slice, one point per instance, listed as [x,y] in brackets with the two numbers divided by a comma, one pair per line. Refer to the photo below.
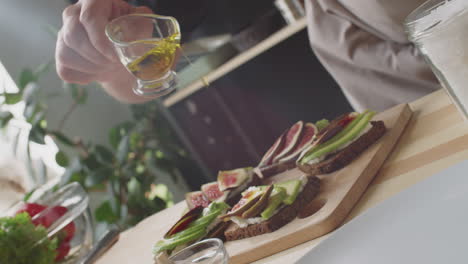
[347,155]
[281,218]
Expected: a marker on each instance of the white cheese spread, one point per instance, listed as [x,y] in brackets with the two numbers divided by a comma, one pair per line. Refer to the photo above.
[241,222]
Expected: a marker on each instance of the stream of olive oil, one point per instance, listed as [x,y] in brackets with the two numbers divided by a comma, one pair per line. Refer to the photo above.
[155,63]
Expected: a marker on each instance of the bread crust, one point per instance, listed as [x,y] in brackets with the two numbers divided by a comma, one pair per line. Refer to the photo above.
[271,170]
[281,218]
[348,154]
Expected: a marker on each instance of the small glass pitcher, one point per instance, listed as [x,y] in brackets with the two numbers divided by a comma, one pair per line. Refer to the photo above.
[147,46]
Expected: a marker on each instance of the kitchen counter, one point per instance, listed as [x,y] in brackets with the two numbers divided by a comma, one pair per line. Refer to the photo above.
[436,138]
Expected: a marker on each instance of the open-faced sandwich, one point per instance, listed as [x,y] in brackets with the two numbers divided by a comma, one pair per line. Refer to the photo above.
[199,223]
[264,209]
[340,142]
[323,147]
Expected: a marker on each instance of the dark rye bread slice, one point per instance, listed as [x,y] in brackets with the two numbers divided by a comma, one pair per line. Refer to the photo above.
[348,154]
[281,218]
[273,169]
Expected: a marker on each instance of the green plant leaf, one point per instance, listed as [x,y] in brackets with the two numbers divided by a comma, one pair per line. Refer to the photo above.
[30,92]
[150,162]
[30,111]
[91,163]
[116,133]
[60,137]
[157,204]
[5,117]
[122,150]
[12,98]
[52,30]
[78,93]
[26,76]
[114,137]
[134,188]
[28,195]
[61,159]
[104,155]
[42,68]
[16,143]
[135,138]
[104,213]
[98,176]
[37,119]
[29,163]
[161,191]
[73,172]
[42,172]
[37,135]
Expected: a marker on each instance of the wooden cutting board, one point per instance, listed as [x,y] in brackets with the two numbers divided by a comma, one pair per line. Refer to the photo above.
[339,193]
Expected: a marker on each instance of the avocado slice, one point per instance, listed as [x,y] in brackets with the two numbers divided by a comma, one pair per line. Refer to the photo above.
[258,207]
[321,124]
[171,243]
[359,125]
[195,229]
[275,200]
[314,148]
[292,188]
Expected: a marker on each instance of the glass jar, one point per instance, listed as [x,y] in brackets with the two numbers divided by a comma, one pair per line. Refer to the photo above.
[438,28]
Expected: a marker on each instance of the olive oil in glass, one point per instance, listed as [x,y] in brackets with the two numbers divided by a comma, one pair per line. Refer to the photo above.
[158,61]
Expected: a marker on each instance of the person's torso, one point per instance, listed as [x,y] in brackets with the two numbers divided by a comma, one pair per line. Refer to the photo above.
[386,16]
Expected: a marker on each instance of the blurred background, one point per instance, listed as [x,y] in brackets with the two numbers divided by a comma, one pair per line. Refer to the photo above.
[262,76]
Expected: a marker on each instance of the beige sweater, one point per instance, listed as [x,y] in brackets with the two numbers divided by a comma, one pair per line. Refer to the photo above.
[363,45]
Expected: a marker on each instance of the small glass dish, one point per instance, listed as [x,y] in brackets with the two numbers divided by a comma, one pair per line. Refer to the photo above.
[75,200]
[208,251]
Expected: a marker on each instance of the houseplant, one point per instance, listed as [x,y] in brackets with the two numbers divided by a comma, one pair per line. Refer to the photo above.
[126,169]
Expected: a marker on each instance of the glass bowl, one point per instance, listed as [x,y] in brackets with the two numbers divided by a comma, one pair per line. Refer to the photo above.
[75,200]
[208,251]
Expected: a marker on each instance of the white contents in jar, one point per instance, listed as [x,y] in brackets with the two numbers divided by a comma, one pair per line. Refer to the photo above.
[447,47]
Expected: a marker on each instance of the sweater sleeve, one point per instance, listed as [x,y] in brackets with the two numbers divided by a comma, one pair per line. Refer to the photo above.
[374,69]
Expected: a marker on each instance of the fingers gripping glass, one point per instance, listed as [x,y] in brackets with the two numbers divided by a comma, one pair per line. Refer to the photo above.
[147,45]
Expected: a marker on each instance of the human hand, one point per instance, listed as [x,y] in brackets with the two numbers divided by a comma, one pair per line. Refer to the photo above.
[83,53]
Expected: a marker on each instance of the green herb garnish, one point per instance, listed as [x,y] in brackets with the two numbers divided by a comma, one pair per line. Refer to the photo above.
[18,237]
[321,124]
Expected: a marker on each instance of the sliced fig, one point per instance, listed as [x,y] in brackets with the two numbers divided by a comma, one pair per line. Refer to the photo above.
[185,221]
[273,151]
[233,178]
[259,206]
[335,127]
[195,199]
[212,192]
[307,137]
[249,198]
[291,138]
